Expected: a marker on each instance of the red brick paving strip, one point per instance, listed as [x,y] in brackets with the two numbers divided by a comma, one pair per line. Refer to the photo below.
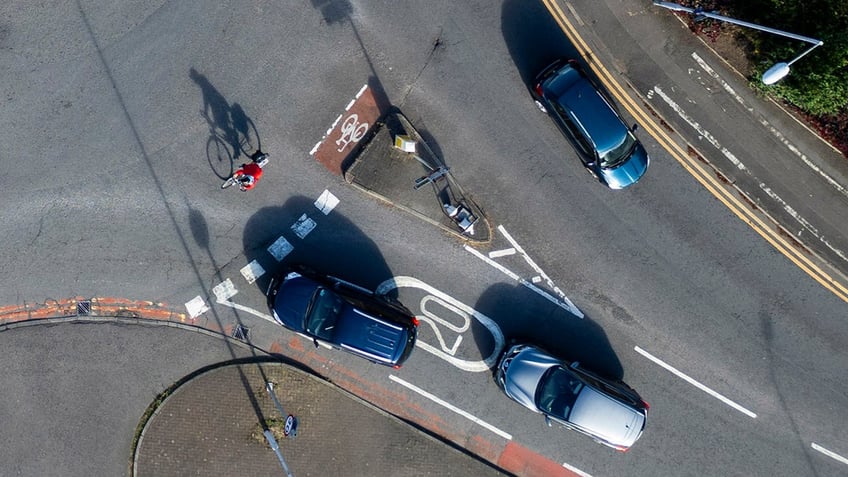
[522,461]
[100,307]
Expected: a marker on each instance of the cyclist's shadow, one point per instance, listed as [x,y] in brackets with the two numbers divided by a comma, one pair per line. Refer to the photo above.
[231,132]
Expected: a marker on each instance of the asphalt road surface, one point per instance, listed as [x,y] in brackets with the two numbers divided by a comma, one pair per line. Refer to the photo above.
[112,113]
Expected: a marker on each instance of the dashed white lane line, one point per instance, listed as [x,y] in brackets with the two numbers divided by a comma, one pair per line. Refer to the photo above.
[225,290]
[303,226]
[196,307]
[698,128]
[280,248]
[698,385]
[333,126]
[831,454]
[450,406]
[326,202]
[736,162]
[704,66]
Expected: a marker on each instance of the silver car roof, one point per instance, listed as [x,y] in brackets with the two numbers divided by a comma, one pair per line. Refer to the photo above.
[610,419]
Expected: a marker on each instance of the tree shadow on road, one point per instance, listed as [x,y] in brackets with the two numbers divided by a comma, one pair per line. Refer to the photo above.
[533,37]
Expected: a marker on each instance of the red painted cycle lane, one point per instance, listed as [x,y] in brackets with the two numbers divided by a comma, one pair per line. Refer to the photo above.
[342,140]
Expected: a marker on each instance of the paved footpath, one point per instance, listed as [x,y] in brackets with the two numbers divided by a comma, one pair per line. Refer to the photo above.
[210,426]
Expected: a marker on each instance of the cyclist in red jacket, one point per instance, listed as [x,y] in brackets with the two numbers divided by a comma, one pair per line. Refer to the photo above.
[250,173]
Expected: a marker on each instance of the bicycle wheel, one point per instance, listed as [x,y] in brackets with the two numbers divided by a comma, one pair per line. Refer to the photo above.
[244,131]
[220,157]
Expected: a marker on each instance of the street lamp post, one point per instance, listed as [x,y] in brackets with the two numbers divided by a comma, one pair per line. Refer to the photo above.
[776,72]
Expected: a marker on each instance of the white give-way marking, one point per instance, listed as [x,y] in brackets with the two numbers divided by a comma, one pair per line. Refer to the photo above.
[450,406]
[698,385]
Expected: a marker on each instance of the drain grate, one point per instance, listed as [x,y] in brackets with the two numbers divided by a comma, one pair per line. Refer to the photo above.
[240,332]
[84,307]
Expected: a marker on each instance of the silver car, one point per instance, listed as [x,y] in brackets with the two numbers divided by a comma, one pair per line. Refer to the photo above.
[610,412]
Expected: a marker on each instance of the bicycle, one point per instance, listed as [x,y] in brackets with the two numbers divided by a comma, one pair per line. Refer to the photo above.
[259,158]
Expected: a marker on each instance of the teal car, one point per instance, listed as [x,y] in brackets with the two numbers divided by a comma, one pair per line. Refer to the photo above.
[606,145]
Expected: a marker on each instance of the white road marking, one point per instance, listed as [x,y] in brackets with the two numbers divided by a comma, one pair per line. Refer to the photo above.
[280,248]
[196,307]
[333,126]
[326,202]
[574,13]
[700,130]
[248,310]
[539,270]
[432,319]
[352,131]
[568,306]
[732,158]
[575,470]
[224,290]
[303,226]
[252,271]
[361,90]
[347,108]
[695,383]
[451,407]
[703,64]
[461,309]
[831,454]
[502,253]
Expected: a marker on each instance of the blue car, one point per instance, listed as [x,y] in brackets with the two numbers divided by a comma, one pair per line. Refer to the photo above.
[605,144]
[344,316]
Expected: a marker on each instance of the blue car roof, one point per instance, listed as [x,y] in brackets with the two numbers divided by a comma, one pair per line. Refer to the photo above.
[356,329]
[378,338]
[594,114]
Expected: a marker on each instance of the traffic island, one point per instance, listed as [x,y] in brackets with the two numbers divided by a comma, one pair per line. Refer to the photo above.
[399,167]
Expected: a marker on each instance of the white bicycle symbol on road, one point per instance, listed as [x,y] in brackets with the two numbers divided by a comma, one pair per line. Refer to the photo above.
[352,131]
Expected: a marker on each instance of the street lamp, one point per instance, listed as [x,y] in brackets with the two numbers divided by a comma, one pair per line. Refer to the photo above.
[776,72]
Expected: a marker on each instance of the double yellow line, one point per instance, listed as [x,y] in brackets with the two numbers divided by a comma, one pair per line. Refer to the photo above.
[798,257]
